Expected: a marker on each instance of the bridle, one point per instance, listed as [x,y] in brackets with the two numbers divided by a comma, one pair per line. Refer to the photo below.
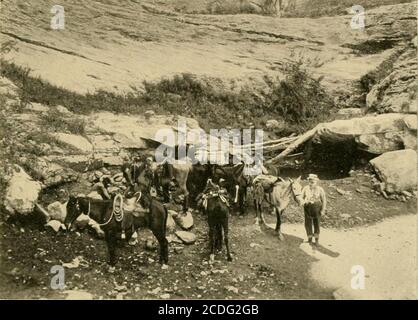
[295,195]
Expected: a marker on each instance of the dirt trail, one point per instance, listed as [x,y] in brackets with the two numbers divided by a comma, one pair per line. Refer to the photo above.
[387,251]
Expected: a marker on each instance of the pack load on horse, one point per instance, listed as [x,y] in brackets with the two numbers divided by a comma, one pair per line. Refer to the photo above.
[235,180]
[217,210]
[212,190]
[281,192]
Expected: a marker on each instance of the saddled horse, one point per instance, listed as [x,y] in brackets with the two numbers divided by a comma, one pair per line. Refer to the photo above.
[282,192]
[217,211]
[236,182]
[106,214]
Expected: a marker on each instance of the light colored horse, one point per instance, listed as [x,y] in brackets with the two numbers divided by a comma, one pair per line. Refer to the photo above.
[281,194]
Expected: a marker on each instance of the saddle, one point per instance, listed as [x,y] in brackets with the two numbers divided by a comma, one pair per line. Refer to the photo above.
[132,206]
[213,194]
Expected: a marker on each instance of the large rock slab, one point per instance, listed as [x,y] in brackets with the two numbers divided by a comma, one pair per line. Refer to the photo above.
[374,134]
[22,192]
[184,221]
[398,91]
[78,142]
[397,169]
[50,173]
[186,237]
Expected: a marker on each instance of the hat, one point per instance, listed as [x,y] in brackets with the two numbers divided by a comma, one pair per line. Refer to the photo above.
[312,176]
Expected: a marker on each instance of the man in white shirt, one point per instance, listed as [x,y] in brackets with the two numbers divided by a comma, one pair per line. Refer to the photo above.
[315,203]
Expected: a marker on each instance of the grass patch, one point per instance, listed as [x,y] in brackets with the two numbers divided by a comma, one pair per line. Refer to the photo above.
[54,119]
[298,99]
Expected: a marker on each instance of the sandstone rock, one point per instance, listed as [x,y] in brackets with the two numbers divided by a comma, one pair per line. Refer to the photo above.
[51,173]
[78,142]
[398,169]
[186,237]
[184,221]
[22,192]
[397,92]
[171,224]
[54,225]
[57,211]
[81,222]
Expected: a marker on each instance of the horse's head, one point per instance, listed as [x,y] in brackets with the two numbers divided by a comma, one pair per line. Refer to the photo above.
[73,211]
[296,189]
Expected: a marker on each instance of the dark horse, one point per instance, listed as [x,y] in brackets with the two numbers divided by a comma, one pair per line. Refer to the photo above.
[103,212]
[218,215]
[237,182]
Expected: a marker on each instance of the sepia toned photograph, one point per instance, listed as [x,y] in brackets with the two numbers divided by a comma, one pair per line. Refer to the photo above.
[208,150]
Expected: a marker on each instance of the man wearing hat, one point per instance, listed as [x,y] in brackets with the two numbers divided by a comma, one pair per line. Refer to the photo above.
[314,202]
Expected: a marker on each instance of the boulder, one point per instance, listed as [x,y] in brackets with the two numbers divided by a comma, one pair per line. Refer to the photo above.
[186,237]
[184,221]
[22,192]
[397,169]
[81,222]
[55,225]
[57,211]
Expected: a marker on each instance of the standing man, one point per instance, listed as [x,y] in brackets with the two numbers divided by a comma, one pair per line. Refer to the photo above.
[314,203]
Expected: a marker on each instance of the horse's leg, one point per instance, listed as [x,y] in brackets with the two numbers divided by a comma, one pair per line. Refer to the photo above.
[218,236]
[163,250]
[110,237]
[256,211]
[241,200]
[279,223]
[225,227]
[212,242]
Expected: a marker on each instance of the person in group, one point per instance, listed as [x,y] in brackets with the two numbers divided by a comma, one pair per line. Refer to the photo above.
[131,170]
[102,187]
[314,201]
